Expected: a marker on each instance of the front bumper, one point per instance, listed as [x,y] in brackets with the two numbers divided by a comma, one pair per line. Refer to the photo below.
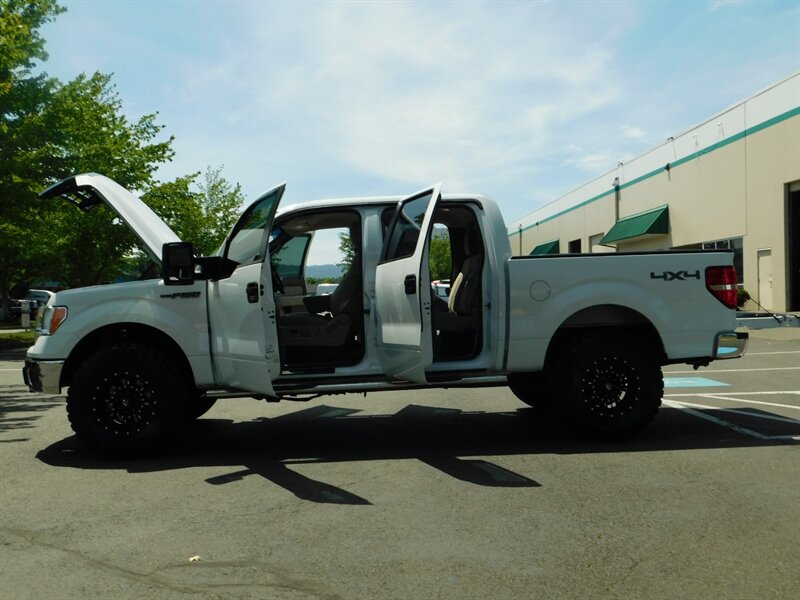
[730,344]
[43,375]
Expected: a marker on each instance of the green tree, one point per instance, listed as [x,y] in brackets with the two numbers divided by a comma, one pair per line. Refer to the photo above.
[198,212]
[23,97]
[348,250]
[178,203]
[440,261]
[222,203]
[50,130]
[88,248]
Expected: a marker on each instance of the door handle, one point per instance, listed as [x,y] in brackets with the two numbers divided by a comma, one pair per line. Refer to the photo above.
[252,292]
[410,283]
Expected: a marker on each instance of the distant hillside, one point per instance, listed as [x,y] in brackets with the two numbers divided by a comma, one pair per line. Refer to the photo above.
[320,271]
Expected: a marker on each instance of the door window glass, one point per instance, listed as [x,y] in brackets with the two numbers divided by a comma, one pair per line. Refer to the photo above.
[406,227]
[247,243]
[288,259]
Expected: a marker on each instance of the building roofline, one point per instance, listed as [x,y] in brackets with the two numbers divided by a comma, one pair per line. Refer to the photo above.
[519,224]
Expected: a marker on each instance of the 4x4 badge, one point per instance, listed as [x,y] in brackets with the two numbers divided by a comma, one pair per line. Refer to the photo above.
[675,275]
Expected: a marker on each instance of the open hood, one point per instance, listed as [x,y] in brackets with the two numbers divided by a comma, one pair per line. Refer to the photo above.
[90,189]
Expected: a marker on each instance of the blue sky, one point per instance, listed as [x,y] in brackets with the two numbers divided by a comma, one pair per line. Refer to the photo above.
[521,101]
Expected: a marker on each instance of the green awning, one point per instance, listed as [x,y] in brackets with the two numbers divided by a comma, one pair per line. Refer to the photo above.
[550,247]
[652,222]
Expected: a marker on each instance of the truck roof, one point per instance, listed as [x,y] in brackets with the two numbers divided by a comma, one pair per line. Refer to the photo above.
[372,200]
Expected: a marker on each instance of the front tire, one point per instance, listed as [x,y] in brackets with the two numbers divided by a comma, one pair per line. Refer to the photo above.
[198,406]
[532,388]
[611,386]
[124,399]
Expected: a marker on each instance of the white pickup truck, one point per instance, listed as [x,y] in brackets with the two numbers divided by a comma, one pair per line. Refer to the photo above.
[585,334]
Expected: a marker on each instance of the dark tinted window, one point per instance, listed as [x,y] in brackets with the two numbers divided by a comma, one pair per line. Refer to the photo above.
[288,259]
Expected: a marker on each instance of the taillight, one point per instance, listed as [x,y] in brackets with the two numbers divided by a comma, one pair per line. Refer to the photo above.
[721,282]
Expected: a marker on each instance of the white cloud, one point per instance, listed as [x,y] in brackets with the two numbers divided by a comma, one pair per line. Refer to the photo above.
[520,100]
[596,161]
[716,5]
[410,93]
[633,133]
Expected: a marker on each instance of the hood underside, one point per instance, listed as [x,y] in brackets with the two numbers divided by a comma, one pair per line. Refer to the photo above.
[90,189]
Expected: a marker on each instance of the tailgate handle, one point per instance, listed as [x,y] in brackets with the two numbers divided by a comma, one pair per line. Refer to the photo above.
[410,283]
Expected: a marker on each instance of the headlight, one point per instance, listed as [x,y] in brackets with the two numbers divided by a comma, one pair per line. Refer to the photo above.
[51,319]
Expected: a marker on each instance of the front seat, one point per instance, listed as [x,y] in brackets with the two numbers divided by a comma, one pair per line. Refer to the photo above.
[463,305]
[333,319]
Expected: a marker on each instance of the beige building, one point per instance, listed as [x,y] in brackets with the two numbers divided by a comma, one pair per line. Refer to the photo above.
[731,182]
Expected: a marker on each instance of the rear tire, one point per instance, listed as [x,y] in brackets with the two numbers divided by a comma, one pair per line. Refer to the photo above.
[124,399]
[610,386]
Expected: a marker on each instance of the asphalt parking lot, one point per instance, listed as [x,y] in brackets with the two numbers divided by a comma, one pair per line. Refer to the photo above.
[440,494]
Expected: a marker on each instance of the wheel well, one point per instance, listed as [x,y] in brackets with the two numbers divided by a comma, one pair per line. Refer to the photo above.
[607,319]
[123,332]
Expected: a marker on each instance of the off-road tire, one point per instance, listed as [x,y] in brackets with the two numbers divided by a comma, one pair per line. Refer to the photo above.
[198,405]
[126,398]
[609,386]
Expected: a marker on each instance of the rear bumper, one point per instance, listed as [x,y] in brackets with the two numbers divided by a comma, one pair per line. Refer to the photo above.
[730,344]
[43,375]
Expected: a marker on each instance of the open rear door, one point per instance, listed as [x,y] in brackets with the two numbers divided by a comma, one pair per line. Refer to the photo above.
[244,335]
[403,289]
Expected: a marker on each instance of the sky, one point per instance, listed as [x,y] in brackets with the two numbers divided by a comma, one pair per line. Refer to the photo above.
[520,101]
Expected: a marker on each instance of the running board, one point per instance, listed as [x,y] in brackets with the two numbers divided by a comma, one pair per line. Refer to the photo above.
[384,386]
[288,390]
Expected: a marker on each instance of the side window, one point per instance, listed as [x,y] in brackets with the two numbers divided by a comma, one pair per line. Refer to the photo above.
[315,248]
[247,243]
[245,247]
[288,259]
[405,228]
[328,245]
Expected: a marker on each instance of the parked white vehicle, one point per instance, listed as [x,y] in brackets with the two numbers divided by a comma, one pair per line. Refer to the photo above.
[441,288]
[323,289]
[35,300]
[586,333]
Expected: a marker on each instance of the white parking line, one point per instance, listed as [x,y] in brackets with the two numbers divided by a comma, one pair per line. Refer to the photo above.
[733,399]
[735,370]
[779,352]
[743,412]
[702,415]
[757,402]
[771,393]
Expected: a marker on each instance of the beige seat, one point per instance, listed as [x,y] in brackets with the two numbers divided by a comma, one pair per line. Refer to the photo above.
[334,319]
[463,311]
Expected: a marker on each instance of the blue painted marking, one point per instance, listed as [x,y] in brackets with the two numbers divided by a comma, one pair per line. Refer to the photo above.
[684,382]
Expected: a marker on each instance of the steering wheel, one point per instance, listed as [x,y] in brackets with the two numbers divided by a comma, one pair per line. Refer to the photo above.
[277,284]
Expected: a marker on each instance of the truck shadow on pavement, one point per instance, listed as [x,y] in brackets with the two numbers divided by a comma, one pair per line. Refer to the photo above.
[439,437]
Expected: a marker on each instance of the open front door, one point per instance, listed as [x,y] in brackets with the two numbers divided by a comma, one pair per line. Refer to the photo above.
[403,289]
[244,335]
